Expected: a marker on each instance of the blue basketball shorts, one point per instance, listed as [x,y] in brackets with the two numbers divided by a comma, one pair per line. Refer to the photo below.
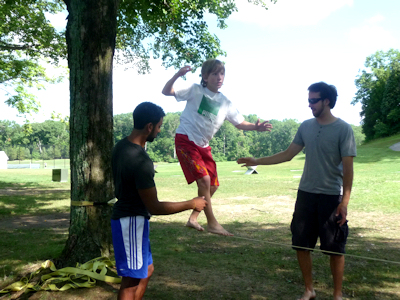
[132,246]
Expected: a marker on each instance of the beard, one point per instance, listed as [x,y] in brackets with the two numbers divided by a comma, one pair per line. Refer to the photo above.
[151,136]
[318,112]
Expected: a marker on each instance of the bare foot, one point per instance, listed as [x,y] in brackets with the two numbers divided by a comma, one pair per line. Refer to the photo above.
[308,295]
[195,225]
[219,230]
[337,298]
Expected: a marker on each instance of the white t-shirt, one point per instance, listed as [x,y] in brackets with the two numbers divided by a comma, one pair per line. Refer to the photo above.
[204,114]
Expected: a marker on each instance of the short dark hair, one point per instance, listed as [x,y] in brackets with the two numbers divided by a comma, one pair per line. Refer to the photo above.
[326,91]
[210,66]
[145,113]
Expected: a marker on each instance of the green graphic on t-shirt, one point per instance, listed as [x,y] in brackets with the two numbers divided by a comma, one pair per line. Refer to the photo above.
[209,108]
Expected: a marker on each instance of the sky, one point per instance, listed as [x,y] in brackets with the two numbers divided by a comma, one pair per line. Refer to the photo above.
[272,57]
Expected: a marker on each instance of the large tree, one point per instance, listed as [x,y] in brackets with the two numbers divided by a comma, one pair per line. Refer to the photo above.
[27,42]
[172,30]
[379,94]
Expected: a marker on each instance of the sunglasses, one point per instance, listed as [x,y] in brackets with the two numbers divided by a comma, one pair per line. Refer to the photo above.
[314,100]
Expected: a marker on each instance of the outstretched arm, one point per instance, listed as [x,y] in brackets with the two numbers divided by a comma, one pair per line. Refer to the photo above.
[278,158]
[168,89]
[155,207]
[264,126]
[348,174]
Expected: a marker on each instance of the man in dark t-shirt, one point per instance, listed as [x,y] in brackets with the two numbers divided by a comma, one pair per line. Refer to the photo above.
[135,189]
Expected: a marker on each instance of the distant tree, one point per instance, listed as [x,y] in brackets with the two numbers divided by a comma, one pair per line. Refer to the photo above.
[170,124]
[9,133]
[282,135]
[379,94]
[390,106]
[122,126]
[27,42]
[268,143]
[223,143]
[49,134]
[21,153]
[11,152]
[359,136]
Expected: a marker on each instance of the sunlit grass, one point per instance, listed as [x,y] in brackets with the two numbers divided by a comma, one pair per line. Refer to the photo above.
[258,262]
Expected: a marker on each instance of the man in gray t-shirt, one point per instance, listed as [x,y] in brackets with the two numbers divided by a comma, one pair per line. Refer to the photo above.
[325,186]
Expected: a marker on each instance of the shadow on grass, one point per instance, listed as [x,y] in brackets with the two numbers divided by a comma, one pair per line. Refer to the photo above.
[257,263]
[31,199]
[260,264]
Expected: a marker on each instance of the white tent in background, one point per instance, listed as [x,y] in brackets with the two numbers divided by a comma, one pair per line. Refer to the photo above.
[3,160]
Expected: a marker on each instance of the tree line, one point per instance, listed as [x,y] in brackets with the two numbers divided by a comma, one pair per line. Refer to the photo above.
[378,91]
[50,139]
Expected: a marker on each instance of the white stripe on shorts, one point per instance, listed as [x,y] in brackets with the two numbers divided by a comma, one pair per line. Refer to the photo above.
[132,233]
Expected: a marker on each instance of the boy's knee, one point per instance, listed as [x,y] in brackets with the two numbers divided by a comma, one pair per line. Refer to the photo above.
[204,181]
[213,189]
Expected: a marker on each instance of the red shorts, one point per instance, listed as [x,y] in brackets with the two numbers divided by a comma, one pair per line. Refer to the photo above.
[196,162]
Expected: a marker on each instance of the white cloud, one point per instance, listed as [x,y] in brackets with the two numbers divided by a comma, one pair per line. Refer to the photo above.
[370,38]
[376,19]
[288,12]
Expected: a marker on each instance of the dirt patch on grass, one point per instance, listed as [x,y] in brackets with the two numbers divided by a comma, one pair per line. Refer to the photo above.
[55,220]
[27,191]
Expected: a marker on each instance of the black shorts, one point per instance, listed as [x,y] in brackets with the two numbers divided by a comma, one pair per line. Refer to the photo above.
[315,216]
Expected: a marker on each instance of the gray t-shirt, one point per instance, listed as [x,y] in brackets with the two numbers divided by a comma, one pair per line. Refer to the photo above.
[325,146]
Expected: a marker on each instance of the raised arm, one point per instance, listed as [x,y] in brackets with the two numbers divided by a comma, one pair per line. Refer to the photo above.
[348,174]
[155,207]
[264,126]
[278,158]
[168,89]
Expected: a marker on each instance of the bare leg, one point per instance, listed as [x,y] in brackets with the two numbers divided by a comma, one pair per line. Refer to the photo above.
[305,263]
[337,268]
[134,288]
[192,222]
[206,190]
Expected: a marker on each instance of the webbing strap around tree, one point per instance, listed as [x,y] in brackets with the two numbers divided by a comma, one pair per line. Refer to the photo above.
[89,203]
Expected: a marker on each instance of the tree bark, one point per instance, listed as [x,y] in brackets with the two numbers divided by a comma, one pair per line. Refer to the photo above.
[91,33]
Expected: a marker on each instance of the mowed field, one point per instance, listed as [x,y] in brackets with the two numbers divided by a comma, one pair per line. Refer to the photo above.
[256,263]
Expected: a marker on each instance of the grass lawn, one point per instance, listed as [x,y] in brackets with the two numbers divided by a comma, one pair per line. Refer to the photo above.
[258,262]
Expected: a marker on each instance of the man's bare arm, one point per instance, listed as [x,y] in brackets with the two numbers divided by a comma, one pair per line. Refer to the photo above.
[168,89]
[278,158]
[264,126]
[156,207]
[348,174]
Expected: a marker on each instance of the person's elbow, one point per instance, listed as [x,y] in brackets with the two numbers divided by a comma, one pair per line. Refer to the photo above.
[288,155]
[167,92]
[287,158]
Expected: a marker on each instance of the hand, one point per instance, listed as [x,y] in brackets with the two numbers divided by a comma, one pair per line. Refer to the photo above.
[247,161]
[264,126]
[200,203]
[184,70]
[342,211]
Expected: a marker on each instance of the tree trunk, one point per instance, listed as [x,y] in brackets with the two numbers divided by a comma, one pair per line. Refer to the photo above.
[91,32]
